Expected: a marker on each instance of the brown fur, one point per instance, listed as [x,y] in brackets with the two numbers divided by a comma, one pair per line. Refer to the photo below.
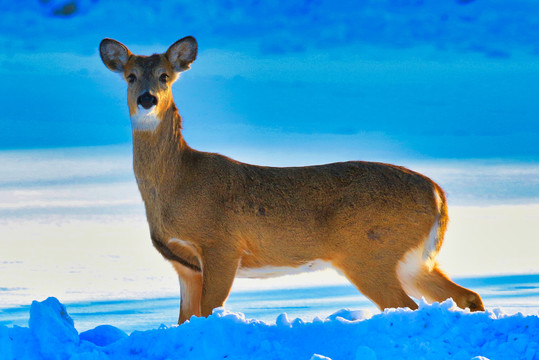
[362,217]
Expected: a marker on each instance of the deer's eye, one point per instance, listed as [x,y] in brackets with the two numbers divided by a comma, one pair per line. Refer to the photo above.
[163,77]
[131,78]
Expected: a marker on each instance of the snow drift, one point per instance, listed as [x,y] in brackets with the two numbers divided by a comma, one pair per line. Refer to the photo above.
[437,331]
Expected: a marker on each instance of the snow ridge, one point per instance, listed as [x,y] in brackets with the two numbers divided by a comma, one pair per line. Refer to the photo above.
[437,331]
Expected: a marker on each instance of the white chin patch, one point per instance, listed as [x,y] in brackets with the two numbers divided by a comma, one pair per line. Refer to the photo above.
[145,119]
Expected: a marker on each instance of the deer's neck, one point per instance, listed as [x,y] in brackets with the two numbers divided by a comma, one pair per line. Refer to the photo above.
[158,153]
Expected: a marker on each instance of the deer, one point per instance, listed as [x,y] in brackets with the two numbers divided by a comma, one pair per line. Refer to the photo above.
[215,219]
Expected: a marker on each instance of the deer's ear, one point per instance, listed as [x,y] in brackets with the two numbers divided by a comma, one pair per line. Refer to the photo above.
[114,54]
[182,53]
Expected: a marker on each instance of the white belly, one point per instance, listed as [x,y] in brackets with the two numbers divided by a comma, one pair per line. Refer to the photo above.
[275,271]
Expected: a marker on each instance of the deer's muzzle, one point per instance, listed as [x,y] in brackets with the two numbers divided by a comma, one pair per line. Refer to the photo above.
[147,100]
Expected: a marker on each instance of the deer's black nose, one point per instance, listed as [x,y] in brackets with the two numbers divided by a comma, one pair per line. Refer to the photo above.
[147,100]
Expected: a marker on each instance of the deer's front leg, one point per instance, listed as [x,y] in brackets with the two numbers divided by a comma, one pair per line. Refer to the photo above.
[191,292]
[219,267]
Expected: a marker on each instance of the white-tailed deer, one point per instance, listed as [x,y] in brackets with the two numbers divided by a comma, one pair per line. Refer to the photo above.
[215,218]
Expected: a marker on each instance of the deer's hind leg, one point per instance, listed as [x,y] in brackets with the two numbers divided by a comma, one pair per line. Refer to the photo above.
[434,285]
[421,277]
[380,283]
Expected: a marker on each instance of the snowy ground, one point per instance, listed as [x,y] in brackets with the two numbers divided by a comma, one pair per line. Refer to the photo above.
[438,331]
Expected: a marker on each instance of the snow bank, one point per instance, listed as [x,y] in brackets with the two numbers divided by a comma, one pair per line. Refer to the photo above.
[437,331]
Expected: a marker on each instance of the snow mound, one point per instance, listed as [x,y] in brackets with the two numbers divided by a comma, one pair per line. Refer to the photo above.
[437,331]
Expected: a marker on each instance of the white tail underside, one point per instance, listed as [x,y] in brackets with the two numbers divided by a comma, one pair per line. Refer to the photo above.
[420,259]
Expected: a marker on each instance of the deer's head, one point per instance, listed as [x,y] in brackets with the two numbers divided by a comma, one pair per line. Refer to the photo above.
[149,78]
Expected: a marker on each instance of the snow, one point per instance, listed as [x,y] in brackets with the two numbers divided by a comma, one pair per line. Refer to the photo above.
[103,335]
[435,331]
